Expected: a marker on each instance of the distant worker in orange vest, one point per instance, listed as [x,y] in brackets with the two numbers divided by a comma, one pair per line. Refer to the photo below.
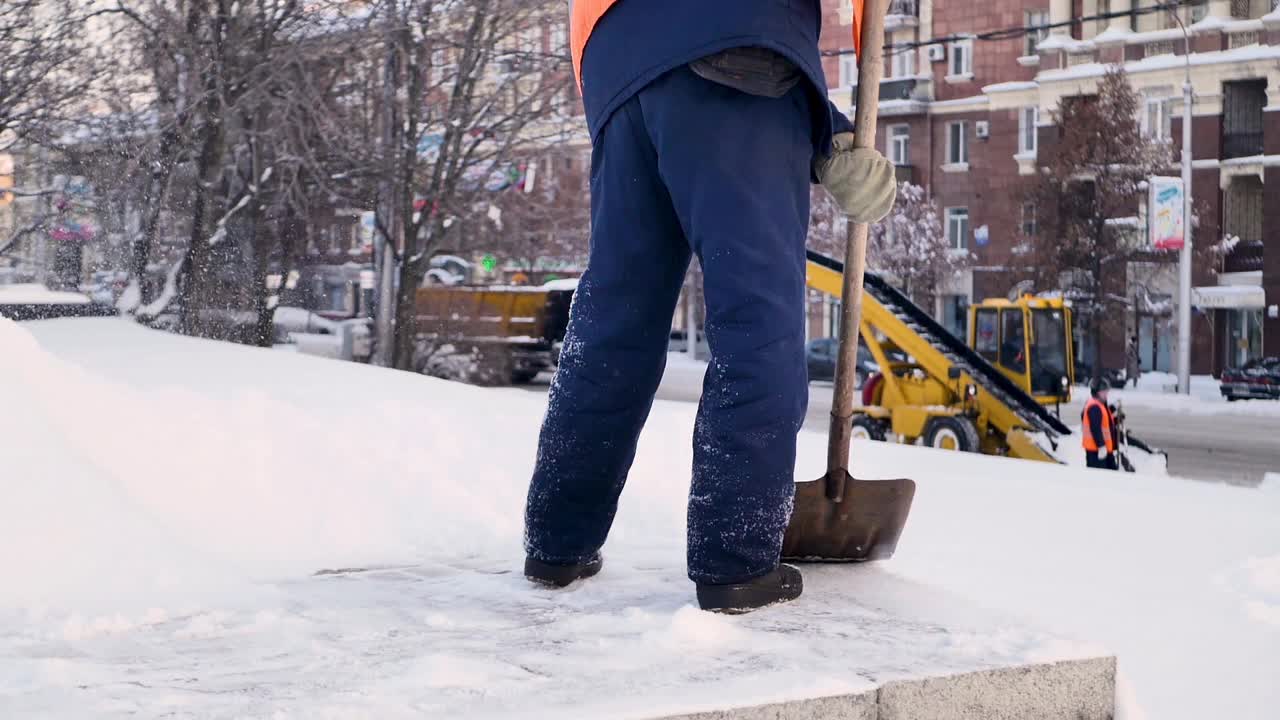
[709,120]
[1098,428]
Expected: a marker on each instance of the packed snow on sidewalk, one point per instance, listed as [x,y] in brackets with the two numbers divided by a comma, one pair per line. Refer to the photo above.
[166,503]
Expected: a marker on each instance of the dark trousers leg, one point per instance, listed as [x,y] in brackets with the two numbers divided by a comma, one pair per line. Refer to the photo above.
[1093,461]
[737,167]
[615,349]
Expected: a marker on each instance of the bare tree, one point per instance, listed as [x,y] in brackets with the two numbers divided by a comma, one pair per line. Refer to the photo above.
[468,89]
[908,247]
[1087,199]
[238,101]
[46,69]
[543,216]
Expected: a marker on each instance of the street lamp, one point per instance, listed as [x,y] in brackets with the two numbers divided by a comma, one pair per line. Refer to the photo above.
[1184,255]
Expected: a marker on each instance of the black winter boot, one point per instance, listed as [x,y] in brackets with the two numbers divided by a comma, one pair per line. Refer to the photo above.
[561,575]
[782,585]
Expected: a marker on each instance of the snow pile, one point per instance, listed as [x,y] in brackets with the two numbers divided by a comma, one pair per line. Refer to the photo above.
[296,319]
[1071,451]
[1262,585]
[561,284]
[1157,391]
[227,461]
[166,501]
[36,294]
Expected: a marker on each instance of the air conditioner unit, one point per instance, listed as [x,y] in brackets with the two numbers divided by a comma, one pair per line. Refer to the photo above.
[937,53]
[982,129]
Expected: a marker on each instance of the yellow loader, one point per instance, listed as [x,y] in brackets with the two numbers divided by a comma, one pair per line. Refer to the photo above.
[938,390]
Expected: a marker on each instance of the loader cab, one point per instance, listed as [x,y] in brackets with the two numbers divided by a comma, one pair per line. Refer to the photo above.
[1029,340]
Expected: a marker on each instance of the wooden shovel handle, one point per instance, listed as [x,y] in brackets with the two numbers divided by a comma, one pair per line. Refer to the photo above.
[870,70]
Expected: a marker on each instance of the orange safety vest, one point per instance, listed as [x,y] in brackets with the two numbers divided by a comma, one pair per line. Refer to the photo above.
[1090,442]
[584,14]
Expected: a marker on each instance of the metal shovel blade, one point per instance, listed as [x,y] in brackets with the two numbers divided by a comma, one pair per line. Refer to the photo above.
[862,523]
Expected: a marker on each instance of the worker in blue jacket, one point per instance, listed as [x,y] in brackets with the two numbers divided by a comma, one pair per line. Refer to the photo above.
[708,122]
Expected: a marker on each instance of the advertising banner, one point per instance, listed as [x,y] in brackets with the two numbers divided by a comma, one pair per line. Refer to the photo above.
[1165,213]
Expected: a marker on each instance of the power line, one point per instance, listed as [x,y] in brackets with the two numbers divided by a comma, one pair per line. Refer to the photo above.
[1014,33]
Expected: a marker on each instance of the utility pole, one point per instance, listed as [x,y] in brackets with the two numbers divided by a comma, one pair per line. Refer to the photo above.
[384,350]
[1184,254]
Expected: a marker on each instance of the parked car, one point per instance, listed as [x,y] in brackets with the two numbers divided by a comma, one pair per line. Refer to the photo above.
[1259,378]
[820,356]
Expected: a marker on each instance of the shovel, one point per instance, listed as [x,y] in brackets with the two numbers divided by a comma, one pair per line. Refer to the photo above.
[839,518]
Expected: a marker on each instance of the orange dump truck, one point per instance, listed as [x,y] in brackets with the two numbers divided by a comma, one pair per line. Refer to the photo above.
[489,335]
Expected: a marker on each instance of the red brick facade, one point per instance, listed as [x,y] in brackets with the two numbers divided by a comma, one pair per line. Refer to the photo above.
[1005,80]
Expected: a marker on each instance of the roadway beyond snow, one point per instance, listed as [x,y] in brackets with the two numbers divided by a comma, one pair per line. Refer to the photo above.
[1237,449]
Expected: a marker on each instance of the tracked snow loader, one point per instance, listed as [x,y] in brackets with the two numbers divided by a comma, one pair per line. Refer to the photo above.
[936,389]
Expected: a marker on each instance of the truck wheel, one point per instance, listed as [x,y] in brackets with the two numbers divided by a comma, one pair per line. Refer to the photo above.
[521,377]
[866,427]
[952,433]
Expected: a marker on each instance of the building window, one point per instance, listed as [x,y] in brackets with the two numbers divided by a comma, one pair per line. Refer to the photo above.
[904,62]
[1027,119]
[1242,210]
[955,314]
[1155,122]
[848,70]
[961,63]
[900,144]
[1035,19]
[957,143]
[1243,103]
[1029,219]
[1199,10]
[958,228]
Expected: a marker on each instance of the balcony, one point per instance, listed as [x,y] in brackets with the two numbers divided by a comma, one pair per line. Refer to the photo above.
[905,173]
[1241,144]
[904,89]
[1245,257]
[902,13]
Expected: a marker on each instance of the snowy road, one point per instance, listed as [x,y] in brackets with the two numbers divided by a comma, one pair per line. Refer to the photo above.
[1218,444]
[1238,449]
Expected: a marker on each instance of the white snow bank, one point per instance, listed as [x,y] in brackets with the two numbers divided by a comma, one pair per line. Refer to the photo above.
[260,462]
[1071,451]
[1157,391]
[165,501]
[36,294]
[296,319]
[325,346]
[561,284]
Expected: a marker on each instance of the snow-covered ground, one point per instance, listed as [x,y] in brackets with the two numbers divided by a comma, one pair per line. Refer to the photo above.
[165,504]
[1157,391]
[36,294]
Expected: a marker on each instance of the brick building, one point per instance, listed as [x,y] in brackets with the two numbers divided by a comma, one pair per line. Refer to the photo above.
[967,117]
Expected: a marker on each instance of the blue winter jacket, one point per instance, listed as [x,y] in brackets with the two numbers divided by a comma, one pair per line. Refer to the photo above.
[638,40]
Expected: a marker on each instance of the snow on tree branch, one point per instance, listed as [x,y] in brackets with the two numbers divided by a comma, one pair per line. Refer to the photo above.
[908,247]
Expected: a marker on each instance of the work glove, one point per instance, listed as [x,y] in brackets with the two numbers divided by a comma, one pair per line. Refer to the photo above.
[1103,453]
[860,180]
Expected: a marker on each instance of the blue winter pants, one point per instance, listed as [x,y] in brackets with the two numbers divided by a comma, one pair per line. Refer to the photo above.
[686,166]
